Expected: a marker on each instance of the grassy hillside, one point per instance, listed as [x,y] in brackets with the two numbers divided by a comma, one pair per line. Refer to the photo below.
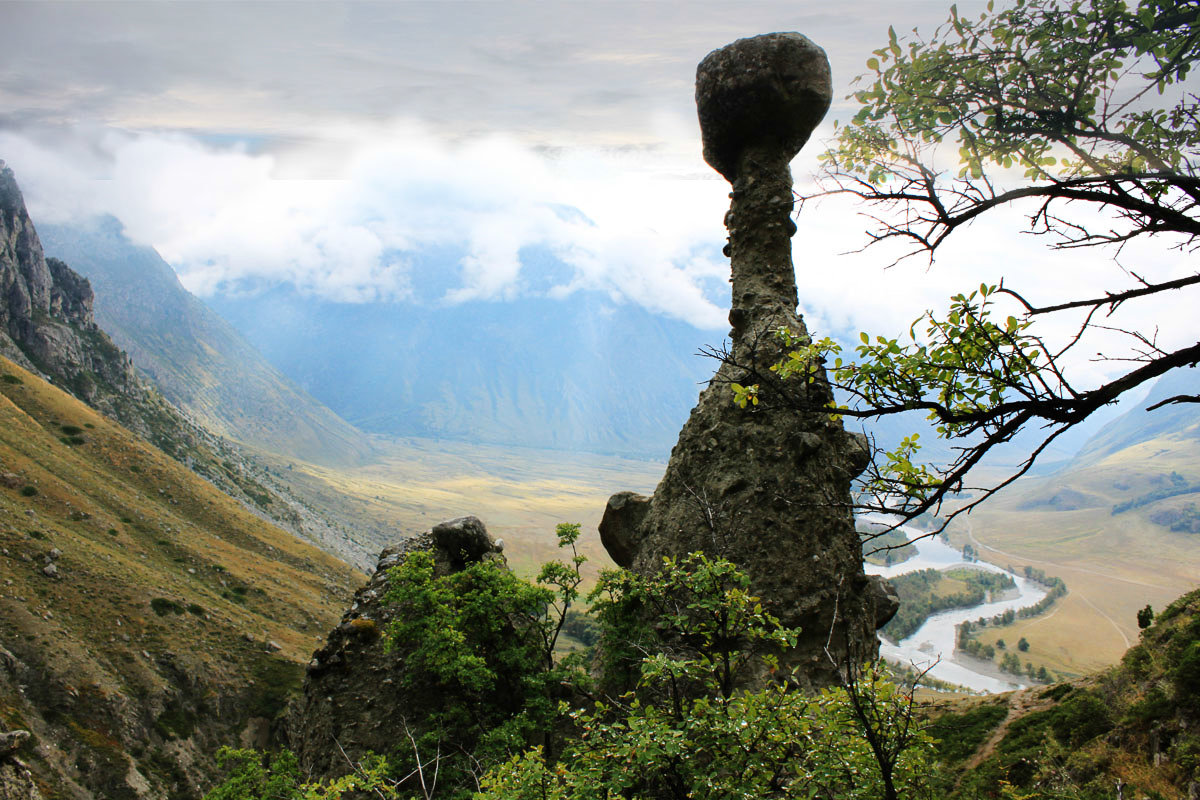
[1113,563]
[146,617]
[1131,726]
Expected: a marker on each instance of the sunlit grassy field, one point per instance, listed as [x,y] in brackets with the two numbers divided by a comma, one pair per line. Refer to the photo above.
[1113,564]
[520,494]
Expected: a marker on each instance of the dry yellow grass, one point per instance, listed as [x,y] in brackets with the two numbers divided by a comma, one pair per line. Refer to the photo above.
[520,494]
[1113,564]
[133,524]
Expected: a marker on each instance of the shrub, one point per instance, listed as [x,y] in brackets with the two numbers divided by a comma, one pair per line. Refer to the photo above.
[164,606]
[29,491]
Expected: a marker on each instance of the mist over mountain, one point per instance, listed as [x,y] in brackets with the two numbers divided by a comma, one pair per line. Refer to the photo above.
[191,354]
[581,373]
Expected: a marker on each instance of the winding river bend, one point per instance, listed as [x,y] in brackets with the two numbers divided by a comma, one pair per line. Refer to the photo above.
[935,639]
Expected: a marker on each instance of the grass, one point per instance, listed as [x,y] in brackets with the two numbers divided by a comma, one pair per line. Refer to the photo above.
[1113,565]
[129,616]
[520,494]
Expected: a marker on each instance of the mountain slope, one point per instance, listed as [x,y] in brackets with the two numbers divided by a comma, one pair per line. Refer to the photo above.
[1130,728]
[137,604]
[47,325]
[579,373]
[1138,425]
[194,357]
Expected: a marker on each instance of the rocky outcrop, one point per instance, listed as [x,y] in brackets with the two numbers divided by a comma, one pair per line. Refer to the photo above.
[353,701]
[766,486]
[46,322]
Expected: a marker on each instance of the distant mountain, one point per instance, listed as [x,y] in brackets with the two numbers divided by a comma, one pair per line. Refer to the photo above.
[580,373]
[194,357]
[47,326]
[1138,425]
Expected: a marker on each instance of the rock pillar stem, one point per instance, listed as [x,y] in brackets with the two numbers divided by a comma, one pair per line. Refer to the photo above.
[760,247]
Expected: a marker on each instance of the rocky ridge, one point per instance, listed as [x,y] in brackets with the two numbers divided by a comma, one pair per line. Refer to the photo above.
[47,326]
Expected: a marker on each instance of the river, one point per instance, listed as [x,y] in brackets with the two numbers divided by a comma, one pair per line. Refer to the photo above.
[936,638]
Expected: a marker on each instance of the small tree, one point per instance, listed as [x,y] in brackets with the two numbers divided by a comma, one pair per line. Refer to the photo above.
[1145,617]
[1043,103]
[686,729]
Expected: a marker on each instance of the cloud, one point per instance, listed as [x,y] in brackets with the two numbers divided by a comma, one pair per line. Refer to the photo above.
[230,220]
[351,213]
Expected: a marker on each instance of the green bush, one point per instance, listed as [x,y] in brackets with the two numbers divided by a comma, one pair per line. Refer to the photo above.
[29,491]
[481,641]
[686,729]
[164,606]
[1187,671]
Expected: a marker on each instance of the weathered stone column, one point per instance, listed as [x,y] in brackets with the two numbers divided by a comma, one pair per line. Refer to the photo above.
[767,486]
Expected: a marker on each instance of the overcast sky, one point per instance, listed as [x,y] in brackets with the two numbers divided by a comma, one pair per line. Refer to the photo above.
[317,144]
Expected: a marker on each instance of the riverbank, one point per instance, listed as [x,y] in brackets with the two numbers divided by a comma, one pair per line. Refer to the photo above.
[933,644]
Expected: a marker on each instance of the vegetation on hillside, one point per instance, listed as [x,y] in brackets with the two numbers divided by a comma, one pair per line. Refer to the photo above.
[1132,726]
[691,700]
[928,591]
[137,603]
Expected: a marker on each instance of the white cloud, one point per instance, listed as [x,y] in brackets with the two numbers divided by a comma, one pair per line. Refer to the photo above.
[226,219]
[346,215]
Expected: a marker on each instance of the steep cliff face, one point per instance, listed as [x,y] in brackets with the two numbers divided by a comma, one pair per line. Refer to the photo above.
[47,327]
[46,321]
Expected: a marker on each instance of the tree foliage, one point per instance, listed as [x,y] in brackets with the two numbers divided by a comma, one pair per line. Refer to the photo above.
[1075,111]
[480,643]
[686,730]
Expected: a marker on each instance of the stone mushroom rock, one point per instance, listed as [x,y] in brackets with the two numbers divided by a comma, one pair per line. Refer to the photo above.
[766,486]
[765,94]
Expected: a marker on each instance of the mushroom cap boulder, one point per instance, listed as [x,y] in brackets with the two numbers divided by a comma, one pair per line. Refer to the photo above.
[765,93]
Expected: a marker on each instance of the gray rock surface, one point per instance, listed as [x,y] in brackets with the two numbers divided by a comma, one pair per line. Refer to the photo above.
[887,600]
[352,699]
[16,783]
[761,95]
[766,486]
